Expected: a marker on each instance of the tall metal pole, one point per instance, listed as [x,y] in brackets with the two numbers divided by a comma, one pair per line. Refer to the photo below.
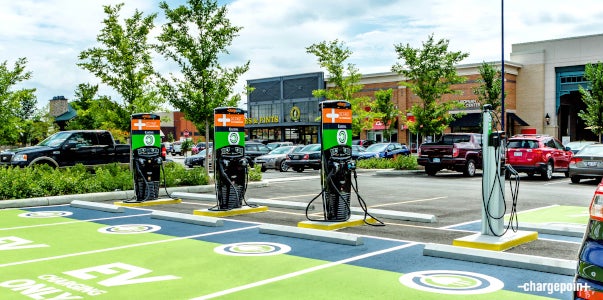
[502,63]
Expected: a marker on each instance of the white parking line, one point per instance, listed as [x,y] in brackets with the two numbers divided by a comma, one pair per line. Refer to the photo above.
[408,201]
[72,222]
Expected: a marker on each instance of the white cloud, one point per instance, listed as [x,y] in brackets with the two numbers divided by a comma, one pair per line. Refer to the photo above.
[52,33]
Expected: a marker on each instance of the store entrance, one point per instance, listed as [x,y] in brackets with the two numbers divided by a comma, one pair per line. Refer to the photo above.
[302,135]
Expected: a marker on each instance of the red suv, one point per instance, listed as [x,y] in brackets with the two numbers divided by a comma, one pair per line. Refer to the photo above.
[535,153]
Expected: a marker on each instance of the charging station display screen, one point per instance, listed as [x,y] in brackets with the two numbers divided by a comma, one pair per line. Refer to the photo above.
[145,131]
[336,124]
[229,127]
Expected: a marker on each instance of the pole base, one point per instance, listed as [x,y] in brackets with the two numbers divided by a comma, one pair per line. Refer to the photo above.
[148,203]
[496,243]
[231,212]
[324,225]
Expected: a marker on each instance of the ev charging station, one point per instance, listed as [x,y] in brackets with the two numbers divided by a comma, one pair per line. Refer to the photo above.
[229,160]
[146,159]
[336,147]
[494,235]
[337,168]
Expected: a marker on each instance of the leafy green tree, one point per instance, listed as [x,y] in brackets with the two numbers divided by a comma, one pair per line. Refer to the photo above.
[123,61]
[332,56]
[490,89]
[430,72]
[16,106]
[592,96]
[195,36]
[387,111]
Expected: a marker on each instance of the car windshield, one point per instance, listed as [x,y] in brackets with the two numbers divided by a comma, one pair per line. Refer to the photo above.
[311,147]
[595,150]
[55,139]
[376,148]
[281,150]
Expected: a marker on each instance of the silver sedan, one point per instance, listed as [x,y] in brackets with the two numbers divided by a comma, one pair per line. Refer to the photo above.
[587,163]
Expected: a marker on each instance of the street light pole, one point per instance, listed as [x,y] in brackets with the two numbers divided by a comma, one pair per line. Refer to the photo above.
[502,63]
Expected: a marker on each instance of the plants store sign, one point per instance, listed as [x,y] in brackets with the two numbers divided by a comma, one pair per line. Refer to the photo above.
[261,120]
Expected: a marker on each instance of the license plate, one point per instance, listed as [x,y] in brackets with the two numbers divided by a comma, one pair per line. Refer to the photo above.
[517,153]
[436,159]
[591,163]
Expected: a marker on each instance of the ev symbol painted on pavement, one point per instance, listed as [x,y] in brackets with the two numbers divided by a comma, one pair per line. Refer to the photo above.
[452,282]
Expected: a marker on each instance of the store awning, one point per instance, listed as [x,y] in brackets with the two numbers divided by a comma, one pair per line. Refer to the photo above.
[512,117]
[468,120]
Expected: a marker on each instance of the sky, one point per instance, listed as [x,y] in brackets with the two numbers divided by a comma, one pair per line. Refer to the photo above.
[50,34]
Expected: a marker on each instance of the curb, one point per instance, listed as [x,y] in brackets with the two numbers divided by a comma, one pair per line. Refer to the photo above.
[108,196]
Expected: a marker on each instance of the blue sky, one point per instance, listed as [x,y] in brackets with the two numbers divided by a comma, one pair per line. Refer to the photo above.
[52,33]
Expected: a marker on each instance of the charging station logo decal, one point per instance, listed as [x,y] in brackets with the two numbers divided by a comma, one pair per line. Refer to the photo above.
[129,229]
[342,137]
[233,138]
[452,282]
[149,140]
[46,214]
[252,249]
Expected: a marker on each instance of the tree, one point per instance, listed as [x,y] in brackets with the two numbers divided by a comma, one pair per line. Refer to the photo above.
[592,96]
[16,106]
[430,72]
[194,37]
[490,90]
[123,61]
[332,56]
[386,110]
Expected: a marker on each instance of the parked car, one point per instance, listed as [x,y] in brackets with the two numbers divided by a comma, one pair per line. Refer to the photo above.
[578,145]
[168,147]
[200,146]
[384,150]
[199,159]
[177,148]
[363,143]
[276,159]
[535,153]
[69,148]
[587,163]
[253,150]
[461,152]
[356,151]
[307,157]
[274,145]
[590,256]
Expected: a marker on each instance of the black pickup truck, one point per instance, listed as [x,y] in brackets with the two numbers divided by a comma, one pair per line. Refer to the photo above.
[460,152]
[68,148]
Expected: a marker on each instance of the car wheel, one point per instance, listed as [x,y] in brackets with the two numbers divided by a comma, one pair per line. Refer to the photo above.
[431,171]
[283,166]
[298,170]
[566,174]
[575,179]
[469,168]
[263,169]
[547,174]
[530,174]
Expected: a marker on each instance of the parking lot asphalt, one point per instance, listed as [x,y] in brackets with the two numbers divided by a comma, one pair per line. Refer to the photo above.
[453,199]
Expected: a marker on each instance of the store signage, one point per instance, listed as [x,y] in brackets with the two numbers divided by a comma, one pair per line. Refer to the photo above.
[470,104]
[261,120]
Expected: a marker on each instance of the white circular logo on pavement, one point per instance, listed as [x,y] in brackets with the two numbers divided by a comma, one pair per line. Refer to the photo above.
[342,137]
[149,140]
[233,138]
[451,282]
[252,249]
[46,214]
[129,229]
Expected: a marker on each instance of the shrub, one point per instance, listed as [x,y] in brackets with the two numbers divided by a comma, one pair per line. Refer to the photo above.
[400,162]
[255,173]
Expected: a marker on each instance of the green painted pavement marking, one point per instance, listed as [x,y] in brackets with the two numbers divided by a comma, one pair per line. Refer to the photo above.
[556,214]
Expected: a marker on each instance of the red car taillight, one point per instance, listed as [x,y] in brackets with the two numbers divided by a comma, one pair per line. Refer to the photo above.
[575,160]
[287,157]
[596,205]
[306,156]
[163,152]
[455,152]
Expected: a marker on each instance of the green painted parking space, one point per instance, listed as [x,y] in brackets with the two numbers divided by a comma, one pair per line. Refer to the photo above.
[556,214]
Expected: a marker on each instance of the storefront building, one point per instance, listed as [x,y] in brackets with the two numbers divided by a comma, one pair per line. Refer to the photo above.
[283,108]
[541,88]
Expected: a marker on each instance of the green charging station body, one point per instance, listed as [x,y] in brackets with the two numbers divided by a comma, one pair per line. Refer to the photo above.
[229,160]
[146,155]
[336,143]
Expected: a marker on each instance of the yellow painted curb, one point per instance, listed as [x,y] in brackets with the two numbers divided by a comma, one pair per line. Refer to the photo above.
[149,203]
[232,212]
[479,241]
[334,225]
